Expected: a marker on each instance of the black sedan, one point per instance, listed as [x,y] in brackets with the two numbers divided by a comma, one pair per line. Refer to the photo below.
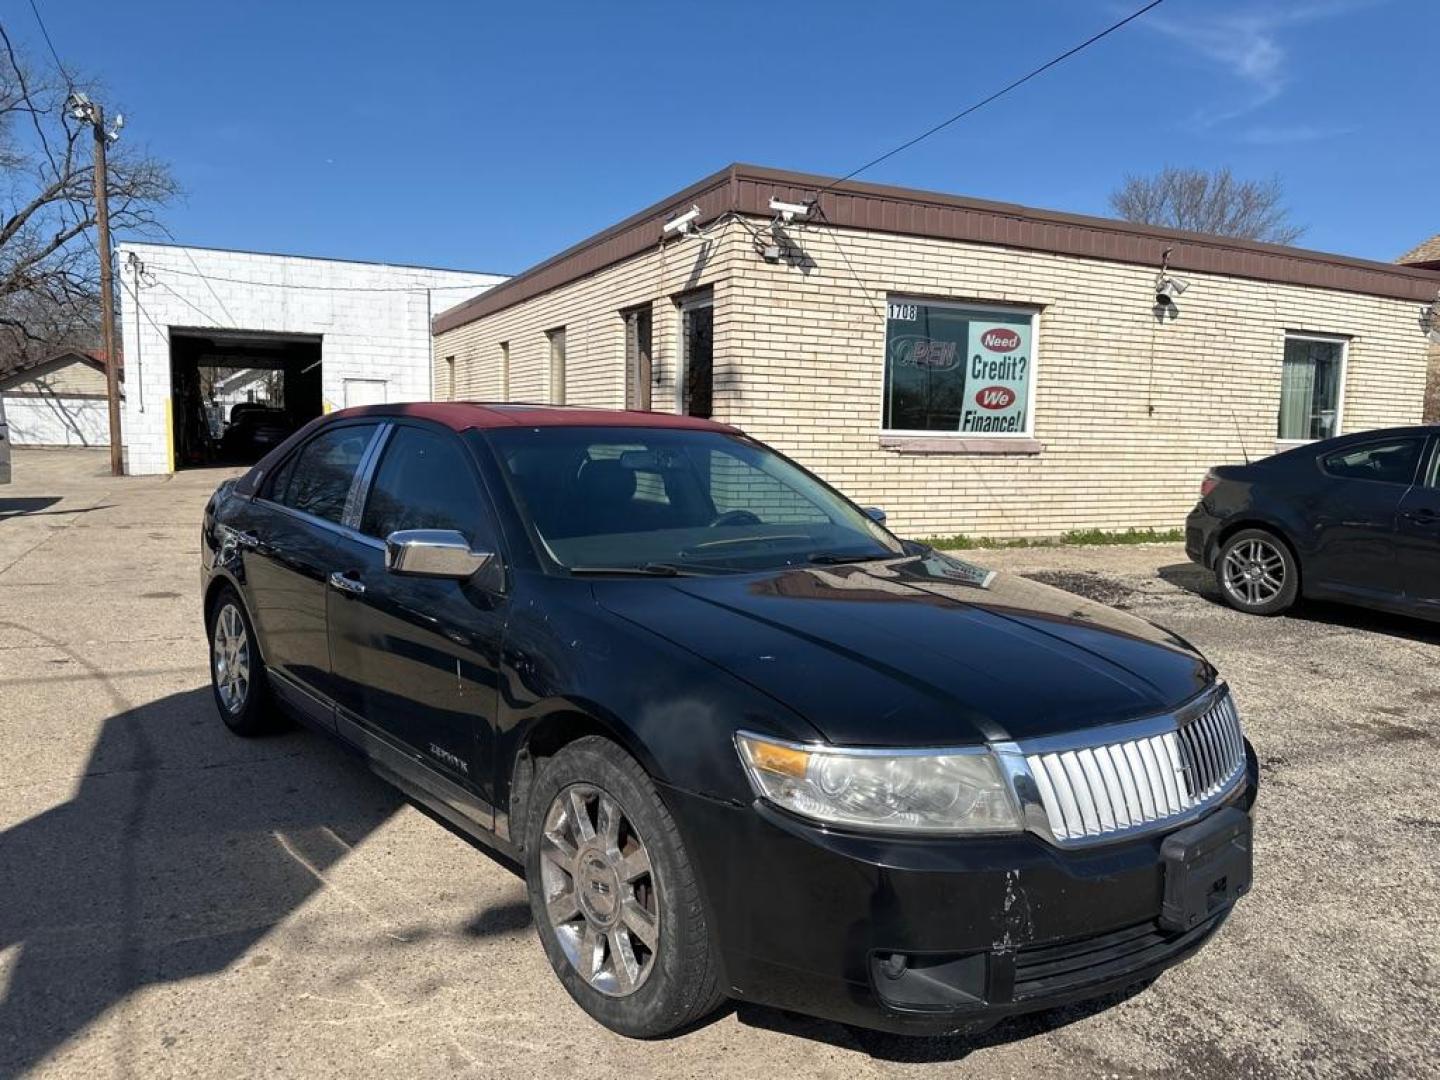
[1354,519]
[744,741]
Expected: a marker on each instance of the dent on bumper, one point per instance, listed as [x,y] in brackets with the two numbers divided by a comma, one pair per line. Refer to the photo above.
[808,920]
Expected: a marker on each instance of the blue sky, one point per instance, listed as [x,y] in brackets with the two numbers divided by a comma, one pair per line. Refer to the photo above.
[488,136]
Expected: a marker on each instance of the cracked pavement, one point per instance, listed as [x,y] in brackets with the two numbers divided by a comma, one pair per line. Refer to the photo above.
[176,901]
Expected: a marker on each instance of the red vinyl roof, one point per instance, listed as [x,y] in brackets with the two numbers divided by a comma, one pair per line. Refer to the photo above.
[464,415]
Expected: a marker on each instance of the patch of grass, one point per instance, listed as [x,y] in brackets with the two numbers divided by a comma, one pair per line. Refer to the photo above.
[1076,537]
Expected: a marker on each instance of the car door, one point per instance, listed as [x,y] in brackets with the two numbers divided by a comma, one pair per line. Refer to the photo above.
[1353,516]
[288,545]
[1418,544]
[415,658]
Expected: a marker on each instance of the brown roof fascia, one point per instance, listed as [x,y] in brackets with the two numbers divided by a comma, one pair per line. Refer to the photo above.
[747,189]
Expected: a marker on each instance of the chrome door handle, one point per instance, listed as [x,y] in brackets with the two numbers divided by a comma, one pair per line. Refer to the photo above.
[347,584]
[1423,517]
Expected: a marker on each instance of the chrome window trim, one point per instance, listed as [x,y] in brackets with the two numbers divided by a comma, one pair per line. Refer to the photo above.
[323,523]
[360,483]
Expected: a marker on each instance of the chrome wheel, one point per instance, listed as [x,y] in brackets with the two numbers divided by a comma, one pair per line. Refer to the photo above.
[1254,572]
[599,889]
[230,657]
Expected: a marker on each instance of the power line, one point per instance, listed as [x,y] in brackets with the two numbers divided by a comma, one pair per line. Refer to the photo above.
[46,35]
[322,288]
[993,97]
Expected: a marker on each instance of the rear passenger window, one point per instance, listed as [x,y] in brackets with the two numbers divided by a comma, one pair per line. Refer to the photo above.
[1390,462]
[424,482]
[317,479]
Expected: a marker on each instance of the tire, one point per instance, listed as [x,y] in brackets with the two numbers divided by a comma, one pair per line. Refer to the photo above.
[237,675]
[1257,574]
[586,903]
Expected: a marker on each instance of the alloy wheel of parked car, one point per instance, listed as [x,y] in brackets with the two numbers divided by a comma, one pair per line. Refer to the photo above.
[237,674]
[613,894]
[230,657]
[1257,573]
[600,890]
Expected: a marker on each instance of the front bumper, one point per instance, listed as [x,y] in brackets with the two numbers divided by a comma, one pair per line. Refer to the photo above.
[979,929]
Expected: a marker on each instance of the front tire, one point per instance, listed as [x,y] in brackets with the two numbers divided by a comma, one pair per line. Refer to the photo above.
[237,675]
[1257,574]
[613,894]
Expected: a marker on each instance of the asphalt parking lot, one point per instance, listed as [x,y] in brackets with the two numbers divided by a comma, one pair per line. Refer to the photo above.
[176,901]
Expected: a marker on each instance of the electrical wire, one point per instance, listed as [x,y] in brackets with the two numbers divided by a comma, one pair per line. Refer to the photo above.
[320,288]
[69,83]
[993,97]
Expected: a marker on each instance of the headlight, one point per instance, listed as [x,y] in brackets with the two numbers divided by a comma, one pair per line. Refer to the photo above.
[949,791]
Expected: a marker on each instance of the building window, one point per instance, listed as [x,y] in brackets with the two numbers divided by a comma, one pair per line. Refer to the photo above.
[697,354]
[505,371]
[638,364]
[557,365]
[958,369]
[450,377]
[1311,384]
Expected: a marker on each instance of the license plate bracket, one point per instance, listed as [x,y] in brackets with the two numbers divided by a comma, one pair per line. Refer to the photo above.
[1208,866]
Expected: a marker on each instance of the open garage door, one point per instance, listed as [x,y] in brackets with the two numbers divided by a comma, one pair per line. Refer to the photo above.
[236,395]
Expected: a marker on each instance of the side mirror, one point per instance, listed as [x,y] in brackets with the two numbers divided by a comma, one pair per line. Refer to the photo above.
[875,514]
[440,553]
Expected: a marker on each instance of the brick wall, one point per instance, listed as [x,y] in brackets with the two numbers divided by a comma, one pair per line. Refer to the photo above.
[373,321]
[1129,412]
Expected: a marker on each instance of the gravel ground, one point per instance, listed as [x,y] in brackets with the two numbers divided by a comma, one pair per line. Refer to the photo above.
[175,901]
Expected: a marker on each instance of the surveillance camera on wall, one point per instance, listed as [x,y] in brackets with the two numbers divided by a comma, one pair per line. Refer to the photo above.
[680,225]
[1167,289]
[789,211]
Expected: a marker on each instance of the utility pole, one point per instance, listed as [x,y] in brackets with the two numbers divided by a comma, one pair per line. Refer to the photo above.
[93,113]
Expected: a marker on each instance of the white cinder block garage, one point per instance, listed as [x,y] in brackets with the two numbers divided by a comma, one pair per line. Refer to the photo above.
[226,350]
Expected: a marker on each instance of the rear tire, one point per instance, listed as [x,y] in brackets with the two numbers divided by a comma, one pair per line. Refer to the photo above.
[613,893]
[1257,574]
[237,674]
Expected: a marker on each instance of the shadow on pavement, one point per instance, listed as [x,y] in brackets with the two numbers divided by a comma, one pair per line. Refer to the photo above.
[1201,582]
[884,1046]
[181,847]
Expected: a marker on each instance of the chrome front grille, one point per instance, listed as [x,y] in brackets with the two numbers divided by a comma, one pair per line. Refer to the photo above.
[1093,792]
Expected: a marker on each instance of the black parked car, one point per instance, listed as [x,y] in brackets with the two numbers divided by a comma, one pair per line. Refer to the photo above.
[745,742]
[1355,518]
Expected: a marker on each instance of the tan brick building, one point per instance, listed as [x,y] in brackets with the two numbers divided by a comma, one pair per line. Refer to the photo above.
[973,367]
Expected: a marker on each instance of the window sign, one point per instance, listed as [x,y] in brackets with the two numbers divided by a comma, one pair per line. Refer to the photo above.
[958,370]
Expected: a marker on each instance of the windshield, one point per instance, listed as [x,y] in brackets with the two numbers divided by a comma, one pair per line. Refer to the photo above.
[672,500]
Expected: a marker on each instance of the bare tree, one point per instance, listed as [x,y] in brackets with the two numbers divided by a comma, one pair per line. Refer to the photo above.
[49,265]
[1209,202]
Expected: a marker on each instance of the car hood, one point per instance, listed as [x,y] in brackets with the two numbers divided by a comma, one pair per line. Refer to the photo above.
[923,651]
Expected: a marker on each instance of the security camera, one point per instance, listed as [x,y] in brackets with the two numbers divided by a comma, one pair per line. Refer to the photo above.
[789,211]
[680,225]
[1167,288]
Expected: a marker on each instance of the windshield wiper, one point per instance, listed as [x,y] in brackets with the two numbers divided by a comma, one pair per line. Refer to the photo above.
[651,569]
[833,557]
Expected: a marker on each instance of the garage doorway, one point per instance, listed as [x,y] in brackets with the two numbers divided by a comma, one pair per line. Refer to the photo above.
[236,395]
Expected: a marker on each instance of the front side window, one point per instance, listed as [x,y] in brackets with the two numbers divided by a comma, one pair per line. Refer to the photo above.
[694,501]
[955,369]
[1391,462]
[317,479]
[423,482]
[697,355]
[1310,388]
